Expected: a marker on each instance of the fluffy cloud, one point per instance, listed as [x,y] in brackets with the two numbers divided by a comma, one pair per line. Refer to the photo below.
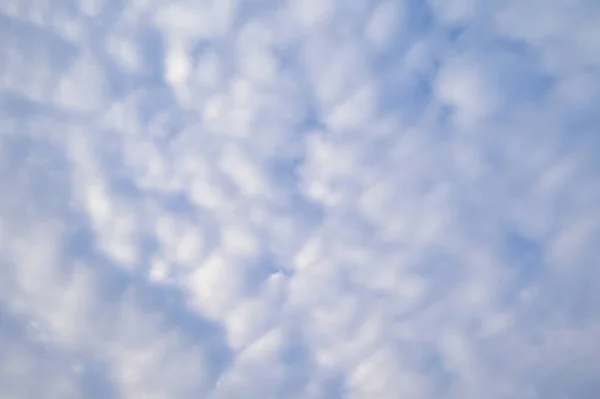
[299,199]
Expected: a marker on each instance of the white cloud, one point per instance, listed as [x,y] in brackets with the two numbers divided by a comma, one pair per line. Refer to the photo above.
[311,13]
[463,86]
[299,199]
[454,12]
[383,23]
[83,88]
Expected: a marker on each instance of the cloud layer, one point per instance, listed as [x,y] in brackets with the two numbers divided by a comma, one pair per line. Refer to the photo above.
[299,199]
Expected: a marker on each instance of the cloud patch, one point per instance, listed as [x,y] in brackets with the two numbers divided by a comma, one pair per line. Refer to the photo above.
[299,199]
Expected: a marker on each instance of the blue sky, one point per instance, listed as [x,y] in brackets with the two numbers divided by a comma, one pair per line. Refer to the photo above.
[299,199]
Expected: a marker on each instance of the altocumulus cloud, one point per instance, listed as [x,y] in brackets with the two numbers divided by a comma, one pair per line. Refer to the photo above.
[300,199]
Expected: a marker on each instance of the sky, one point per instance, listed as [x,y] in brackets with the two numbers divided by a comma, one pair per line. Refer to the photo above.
[303,199]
